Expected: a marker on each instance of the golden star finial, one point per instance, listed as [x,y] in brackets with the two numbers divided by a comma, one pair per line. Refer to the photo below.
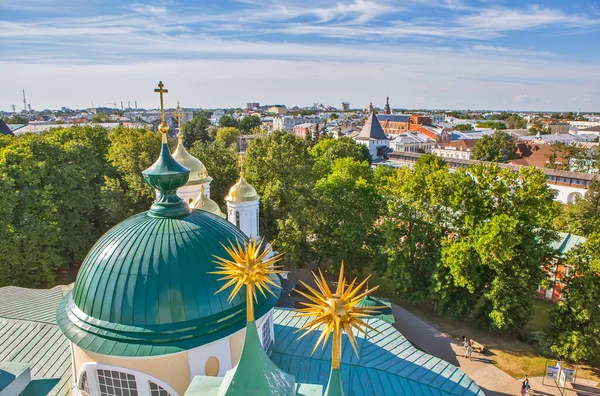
[247,266]
[335,313]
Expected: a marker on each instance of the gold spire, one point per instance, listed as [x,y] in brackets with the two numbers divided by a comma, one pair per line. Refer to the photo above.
[337,312]
[247,267]
[242,191]
[179,115]
[162,128]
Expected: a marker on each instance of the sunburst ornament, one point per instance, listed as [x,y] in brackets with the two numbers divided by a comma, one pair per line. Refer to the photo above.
[247,266]
[335,313]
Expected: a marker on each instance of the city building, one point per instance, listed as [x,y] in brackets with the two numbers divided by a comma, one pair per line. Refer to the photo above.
[278,110]
[372,136]
[394,124]
[216,116]
[460,149]
[252,106]
[4,129]
[287,123]
[413,142]
[345,106]
[584,124]
[387,109]
[305,130]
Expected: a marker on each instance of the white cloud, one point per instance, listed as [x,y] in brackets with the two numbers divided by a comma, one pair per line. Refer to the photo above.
[520,98]
[147,9]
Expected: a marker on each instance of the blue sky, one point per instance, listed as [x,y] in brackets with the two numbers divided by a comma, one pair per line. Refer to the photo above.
[465,54]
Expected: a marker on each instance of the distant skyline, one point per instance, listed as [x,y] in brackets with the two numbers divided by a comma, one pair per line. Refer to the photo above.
[456,54]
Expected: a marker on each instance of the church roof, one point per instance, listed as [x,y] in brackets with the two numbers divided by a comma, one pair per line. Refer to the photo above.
[145,287]
[198,172]
[242,191]
[4,129]
[389,363]
[372,129]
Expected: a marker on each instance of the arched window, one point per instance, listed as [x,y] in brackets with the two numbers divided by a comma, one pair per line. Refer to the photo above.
[114,383]
[237,219]
[83,383]
[157,390]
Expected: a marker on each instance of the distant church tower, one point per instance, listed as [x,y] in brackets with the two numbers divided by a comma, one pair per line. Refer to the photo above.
[242,207]
[387,109]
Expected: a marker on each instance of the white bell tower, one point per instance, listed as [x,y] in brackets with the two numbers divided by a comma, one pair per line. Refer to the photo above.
[242,208]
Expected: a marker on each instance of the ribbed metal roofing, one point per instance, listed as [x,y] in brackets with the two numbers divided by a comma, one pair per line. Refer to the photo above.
[42,346]
[145,289]
[30,304]
[389,363]
[566,242]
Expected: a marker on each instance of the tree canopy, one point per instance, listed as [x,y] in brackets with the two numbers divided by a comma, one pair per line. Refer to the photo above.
[463,127]
[195,129]
[248,123]
[228,120]
[498,147]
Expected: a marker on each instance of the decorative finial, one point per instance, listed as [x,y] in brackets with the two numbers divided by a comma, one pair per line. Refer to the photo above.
[166,175]
[162,128]
[247,267]
[370,107]
[335,313]
[179,116]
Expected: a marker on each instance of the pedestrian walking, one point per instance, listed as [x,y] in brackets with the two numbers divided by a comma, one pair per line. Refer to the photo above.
[523,389]
[526,382]
[468,352]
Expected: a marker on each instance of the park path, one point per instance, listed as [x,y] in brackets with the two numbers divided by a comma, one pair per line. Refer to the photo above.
[492,380]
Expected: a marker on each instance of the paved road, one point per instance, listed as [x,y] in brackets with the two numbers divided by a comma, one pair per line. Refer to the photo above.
[492,380]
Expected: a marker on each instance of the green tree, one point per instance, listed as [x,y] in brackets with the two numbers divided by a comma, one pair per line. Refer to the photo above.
[497,125]
[100,117]
[228,136]
[583,216]
[194,130]
[125,192]
[500,244]
[328,150]
[348,205]
[279,167]
[15,119]
[221,162]
[463,127]
[248,123]
[540,128]
[515,121]
[413,225]
[203,113]
[575,322]
[228,121]
[498,147]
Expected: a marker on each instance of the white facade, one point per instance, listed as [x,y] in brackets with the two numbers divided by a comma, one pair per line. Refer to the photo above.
[568,194]
[190,192]
[244,215]
[584,124]
[413,142]
[451,152]
[216,116]
[372,144]
[287,123]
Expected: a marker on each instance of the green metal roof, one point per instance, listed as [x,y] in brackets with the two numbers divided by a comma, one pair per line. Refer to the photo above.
[389,363]
[43,347]
[144,288]
[30,304]
[566,242]
[385,313]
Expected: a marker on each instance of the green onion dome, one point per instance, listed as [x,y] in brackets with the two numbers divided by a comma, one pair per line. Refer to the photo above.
[144,288]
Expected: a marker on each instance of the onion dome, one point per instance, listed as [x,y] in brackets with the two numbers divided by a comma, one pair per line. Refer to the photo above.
[198,172]
[203,202]
[146,288]
[242,191]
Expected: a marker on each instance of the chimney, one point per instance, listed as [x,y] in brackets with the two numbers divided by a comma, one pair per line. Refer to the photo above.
[14,378]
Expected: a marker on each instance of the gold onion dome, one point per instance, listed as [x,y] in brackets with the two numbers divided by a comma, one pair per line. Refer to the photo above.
[198,172]
[203,202]
[242,191]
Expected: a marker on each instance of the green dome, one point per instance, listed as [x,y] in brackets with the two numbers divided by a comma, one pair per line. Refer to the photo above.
[144,288]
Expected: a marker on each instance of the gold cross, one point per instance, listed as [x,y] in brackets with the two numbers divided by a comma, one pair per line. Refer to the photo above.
[162,91]
[179,115]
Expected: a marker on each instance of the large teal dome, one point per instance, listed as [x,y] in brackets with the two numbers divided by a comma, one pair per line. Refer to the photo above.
[145,287]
